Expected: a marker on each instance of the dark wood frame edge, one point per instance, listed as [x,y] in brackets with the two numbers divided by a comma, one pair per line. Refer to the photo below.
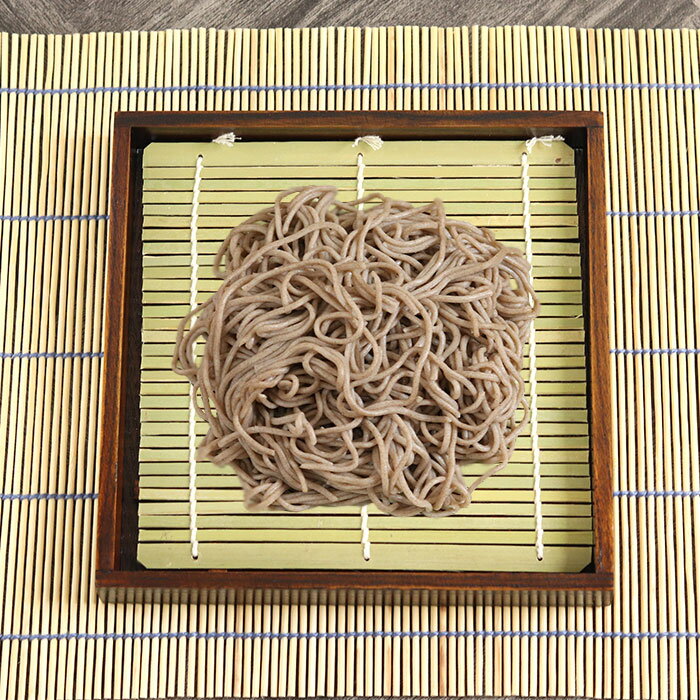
[599,351]
[133,130]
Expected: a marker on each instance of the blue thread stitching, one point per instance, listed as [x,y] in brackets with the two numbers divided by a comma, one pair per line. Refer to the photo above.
[52,355]
[389,634]
[47,496]
[668,212]
[655,494]
[56,217]
[655,351]
[372,86]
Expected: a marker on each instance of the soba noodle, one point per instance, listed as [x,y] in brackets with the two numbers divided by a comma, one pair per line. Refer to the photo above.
[359,353]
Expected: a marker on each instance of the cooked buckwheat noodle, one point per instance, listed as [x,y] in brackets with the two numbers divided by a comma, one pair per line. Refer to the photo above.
[359,353]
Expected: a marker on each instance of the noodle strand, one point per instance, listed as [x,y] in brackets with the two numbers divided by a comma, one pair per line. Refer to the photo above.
[359,354]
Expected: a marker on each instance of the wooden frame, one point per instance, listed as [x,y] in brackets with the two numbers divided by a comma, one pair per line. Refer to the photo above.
[117,567]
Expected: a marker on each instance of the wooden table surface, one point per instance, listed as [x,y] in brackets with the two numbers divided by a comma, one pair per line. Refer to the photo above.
[65,16]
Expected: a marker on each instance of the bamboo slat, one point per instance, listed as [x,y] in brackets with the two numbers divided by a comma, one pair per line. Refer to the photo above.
[57,95]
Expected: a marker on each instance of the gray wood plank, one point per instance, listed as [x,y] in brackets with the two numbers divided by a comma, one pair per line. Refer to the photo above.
[65,16]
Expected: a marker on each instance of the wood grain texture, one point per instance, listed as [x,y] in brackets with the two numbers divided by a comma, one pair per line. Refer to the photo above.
[595,254]
[112,452]
[66,16]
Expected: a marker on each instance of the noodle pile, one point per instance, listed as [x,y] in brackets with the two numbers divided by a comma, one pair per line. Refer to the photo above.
[358,355]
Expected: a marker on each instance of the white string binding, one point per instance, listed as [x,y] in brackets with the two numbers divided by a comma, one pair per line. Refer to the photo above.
[360,178]
[536,464]
[375,143]
[226,139]
[194,275]
[364,541]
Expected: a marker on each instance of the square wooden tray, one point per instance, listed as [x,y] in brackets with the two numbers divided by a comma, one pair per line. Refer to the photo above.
[117,565]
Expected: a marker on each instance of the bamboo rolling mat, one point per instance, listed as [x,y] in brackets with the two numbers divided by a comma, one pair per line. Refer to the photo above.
[477,180]
[57,95]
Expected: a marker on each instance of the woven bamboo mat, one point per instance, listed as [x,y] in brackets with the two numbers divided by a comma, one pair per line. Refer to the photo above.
[56,98]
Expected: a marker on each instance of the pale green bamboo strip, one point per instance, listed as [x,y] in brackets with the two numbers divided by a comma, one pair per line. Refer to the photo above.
[501,190]
[255,171]
[476,537]
[155,159]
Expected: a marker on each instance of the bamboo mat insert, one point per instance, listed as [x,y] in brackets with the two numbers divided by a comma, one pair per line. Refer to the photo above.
[477,180]
[57,640]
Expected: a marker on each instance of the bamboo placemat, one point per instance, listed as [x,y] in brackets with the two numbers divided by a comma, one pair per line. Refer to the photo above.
[58,640]
[478,180]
